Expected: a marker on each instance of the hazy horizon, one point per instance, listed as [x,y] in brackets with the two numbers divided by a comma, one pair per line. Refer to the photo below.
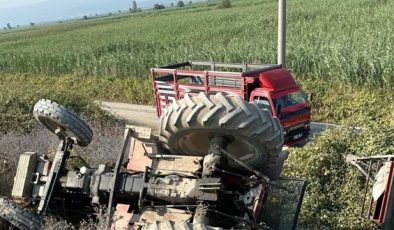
[22,12]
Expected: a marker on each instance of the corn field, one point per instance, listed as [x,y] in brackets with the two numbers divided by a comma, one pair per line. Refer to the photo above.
[349,41]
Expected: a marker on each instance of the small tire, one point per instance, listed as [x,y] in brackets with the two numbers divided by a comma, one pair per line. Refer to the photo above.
[10,214]
[54,116]
[187,125]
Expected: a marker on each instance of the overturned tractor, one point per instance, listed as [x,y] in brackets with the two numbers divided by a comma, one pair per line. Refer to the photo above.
[215,165]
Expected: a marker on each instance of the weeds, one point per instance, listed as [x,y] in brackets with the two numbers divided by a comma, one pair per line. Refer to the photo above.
[335,189]
[104,148]
[95,222]
[19,93]
[338,103]
[12,145]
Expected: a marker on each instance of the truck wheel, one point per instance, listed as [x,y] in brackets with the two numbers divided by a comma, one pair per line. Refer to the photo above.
[10,214]
[187,125]
[54,117]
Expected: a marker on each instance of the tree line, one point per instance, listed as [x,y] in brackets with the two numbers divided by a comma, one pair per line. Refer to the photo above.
[8,26]
[134,9]
[222,4]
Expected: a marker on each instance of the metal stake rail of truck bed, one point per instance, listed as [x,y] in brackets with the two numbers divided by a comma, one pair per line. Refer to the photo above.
[206,80]
[271,86]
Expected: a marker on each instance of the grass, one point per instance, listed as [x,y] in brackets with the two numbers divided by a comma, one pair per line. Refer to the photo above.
[19,93]
[335,190]
[346,104]
[342,40]
[333,101]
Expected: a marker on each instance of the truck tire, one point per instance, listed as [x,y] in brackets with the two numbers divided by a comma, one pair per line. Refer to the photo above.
[54,116]
[10,214]
[187,125]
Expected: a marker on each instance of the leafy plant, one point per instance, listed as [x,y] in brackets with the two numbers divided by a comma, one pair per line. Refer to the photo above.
[335,189]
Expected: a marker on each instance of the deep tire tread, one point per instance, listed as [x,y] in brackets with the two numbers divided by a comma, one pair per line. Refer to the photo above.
[226,115]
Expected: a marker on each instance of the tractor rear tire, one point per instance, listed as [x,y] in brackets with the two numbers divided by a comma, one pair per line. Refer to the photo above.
[54,116]
[187,125]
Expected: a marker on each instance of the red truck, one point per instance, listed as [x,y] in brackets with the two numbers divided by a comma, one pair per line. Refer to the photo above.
[271,86]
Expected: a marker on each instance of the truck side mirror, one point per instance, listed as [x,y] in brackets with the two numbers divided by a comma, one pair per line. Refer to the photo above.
[278,109]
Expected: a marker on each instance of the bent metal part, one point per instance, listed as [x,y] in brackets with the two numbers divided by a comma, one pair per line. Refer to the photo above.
[156,186]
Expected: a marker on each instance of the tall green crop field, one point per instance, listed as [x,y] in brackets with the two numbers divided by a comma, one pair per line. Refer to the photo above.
[350,41]
[341,51]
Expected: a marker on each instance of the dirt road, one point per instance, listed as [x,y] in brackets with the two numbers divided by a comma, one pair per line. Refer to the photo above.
[145,115]
[141,115]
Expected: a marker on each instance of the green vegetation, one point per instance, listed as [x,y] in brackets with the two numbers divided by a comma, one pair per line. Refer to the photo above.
[335,189]
[19,93]
[333,40]
[224,4]
[357,106]
[341,51]
[345,104]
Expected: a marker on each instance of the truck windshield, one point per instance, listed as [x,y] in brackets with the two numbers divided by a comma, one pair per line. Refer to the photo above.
[291,99]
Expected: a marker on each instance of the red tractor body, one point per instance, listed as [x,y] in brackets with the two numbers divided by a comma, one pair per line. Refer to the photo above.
[271,86]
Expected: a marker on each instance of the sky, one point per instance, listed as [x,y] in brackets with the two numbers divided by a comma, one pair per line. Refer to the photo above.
[22,12]
[4,4]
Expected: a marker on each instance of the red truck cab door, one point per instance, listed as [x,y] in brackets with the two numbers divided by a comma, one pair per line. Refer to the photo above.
[295,120]
[264,101]
[295,114]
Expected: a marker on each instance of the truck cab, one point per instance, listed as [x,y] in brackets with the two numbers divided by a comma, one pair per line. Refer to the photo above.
[279,92]
[271,86]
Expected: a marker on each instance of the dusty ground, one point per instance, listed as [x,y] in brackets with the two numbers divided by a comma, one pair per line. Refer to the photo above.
[141,115]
